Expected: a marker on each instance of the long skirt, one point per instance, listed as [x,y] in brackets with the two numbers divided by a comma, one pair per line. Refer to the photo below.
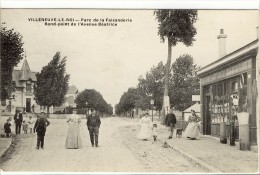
[73,140]
[192,130]
[144,132]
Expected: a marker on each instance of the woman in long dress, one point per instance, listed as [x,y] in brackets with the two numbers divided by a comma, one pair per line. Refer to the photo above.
[193,129]
[73,140]
[145,123]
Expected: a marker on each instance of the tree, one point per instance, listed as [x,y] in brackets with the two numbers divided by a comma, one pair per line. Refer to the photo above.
[151,87]
[11,54]
[95,100]
[184,82]
[175,26]
[127,101]
[52,83]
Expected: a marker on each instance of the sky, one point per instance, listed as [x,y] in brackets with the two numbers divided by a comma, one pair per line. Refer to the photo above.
[110,59]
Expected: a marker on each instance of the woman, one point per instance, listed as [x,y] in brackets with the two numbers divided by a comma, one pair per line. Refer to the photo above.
[145,128]
[193,129]
[73,140]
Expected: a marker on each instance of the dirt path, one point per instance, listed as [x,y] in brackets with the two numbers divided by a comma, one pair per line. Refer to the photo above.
[112,155]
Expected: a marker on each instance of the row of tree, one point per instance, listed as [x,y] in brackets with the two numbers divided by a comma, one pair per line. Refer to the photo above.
[182,85]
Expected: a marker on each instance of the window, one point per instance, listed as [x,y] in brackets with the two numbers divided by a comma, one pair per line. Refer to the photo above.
[28,86]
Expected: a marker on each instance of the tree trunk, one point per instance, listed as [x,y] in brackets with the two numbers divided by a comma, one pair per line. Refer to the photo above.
[166,81]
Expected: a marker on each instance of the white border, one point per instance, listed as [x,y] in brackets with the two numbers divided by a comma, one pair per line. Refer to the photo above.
[133,4]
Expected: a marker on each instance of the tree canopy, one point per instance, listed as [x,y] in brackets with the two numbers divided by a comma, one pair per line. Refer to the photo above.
[183,84]
[52,83]
[95,100]
[176,25]
[11,54]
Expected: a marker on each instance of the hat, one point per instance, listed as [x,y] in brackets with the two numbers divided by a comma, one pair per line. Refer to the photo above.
[30,117]
[146,113]
[92,109]
[75,109]
[192,110]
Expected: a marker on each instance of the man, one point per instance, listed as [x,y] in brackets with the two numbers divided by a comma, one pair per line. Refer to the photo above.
[18,119]
[40,127]
[170,121]
[93,123]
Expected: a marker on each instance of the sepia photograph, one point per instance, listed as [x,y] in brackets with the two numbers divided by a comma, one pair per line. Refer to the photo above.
[129,90]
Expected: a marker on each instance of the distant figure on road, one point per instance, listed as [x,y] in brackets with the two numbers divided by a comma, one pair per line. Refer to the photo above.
[170,121]
[7,128]
[192,131]
[18,119]
[40,127]
[73,140]
[144,123]
[93,123]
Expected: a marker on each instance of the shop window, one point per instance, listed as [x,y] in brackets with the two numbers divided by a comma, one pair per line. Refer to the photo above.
[220,104]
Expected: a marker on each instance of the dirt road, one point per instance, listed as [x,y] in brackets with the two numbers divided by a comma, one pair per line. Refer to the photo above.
[118,152]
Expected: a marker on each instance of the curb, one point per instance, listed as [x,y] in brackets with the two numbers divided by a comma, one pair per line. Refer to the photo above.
[7,148]
[198,161]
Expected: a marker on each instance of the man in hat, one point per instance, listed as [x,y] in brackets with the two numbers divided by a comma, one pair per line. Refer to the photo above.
[170,121]
[18,119]
[40,127]
[93,124]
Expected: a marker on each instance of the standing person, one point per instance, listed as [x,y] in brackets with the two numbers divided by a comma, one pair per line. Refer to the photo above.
[73,140]
[18,119]
[93,124]
[30,124]
[154,132]
[144,123]
[40,127]
[170,121]
[7,128]
[193,131]
[25,125]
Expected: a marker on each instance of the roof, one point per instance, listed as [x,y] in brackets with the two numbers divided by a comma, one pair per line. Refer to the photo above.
[24,74]
[72,89]
[195,107]
[247,49]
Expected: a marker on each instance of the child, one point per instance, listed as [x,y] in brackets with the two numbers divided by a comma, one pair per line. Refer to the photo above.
[154,132]
[25,126]
[31,122]
[7,128]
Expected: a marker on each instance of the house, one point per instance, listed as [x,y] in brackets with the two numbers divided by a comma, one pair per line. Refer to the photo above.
[222,83]
[22,96]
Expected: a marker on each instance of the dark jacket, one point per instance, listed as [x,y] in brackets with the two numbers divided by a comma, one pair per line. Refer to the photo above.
[7,128]
[41,124]
[18,118]
[170,119]
[93,121]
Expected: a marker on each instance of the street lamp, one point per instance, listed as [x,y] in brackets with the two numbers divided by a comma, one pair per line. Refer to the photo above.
[152,103]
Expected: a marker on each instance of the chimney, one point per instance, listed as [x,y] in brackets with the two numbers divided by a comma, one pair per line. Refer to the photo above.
[222,43]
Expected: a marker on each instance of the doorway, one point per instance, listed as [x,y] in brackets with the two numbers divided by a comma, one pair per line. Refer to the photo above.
[28,105]
[207,118]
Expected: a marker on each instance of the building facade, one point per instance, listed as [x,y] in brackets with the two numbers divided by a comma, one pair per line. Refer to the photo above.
[22,97]
[228,86]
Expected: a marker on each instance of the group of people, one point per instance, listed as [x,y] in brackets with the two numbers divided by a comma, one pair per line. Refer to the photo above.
[73,140]
[148,129]
[20,123]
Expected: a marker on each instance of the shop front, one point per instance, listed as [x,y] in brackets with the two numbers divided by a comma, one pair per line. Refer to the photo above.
[227,89]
